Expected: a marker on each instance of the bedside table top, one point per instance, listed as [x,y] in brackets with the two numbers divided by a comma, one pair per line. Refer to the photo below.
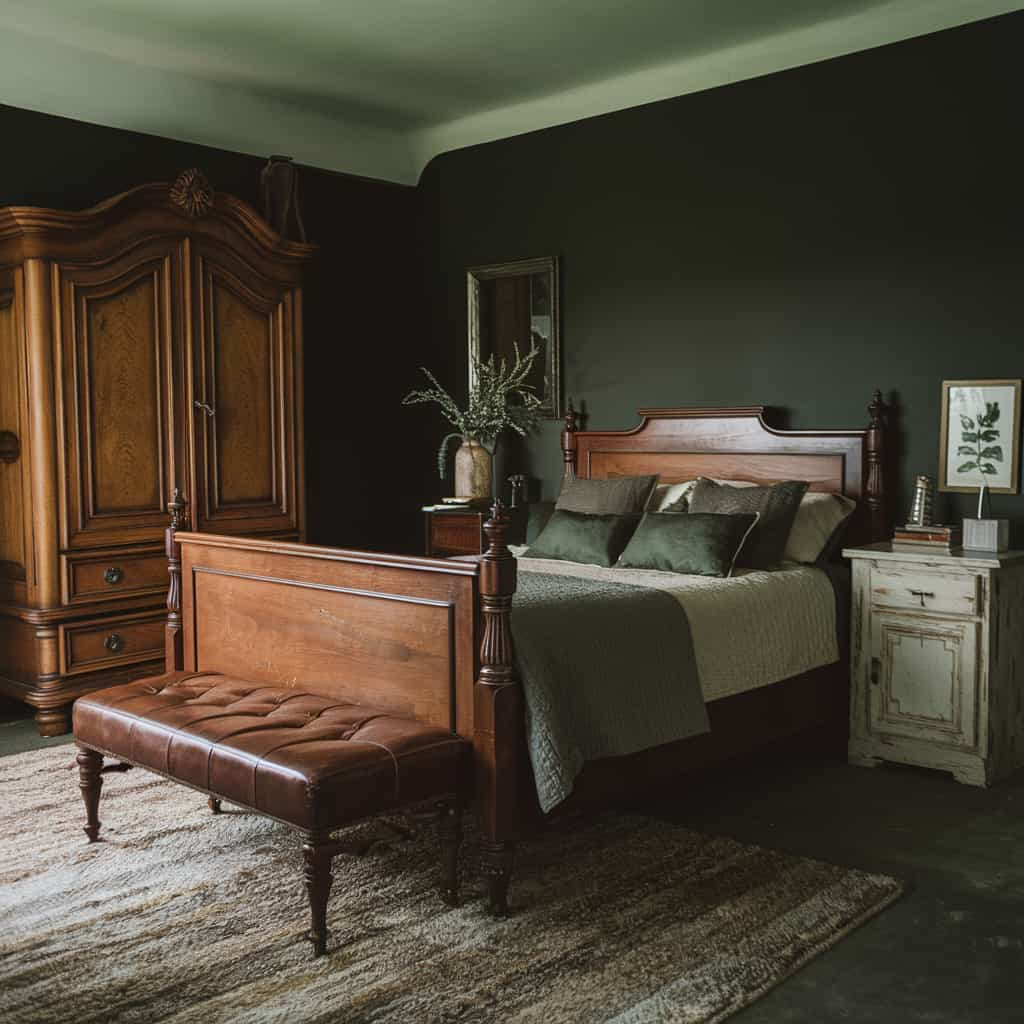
[886,551]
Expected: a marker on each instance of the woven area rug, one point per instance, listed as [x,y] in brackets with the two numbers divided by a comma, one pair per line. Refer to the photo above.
[183,916]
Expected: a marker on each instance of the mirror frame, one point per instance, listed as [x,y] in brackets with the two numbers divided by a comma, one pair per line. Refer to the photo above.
[552,407]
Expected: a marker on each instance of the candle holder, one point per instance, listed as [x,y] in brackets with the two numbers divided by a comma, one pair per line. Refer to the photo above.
[921,513]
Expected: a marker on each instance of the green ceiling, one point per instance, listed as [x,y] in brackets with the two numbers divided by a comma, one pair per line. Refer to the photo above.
[378,87]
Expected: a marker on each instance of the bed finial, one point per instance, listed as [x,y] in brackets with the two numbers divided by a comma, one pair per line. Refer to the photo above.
[569,443]
[497,585]
[174,649]
[497,712]
[874,487]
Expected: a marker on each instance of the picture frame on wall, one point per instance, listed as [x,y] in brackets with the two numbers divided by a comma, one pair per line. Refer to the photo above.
[980,442]
[512,305]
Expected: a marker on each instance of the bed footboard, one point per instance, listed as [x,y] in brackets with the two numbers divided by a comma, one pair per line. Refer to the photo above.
[423,637]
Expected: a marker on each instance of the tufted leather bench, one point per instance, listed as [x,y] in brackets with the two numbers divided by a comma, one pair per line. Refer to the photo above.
[312,762]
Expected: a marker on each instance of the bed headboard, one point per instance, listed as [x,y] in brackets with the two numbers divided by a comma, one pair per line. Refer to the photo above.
[737,444]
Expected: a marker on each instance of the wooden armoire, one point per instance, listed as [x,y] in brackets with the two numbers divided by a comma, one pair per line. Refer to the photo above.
[150,343]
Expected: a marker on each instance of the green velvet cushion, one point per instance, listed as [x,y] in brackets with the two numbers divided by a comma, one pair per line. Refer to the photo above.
[618,495]
[537,515]
[703,544]
[777,505]
[577,537]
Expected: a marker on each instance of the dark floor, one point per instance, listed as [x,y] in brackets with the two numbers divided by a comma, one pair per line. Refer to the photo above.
[950,952]
[18,730]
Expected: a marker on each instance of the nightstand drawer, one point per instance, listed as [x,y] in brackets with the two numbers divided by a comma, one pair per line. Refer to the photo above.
[453,534]
[917,590]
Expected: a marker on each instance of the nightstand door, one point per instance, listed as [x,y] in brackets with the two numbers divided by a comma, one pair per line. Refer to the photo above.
[924,674]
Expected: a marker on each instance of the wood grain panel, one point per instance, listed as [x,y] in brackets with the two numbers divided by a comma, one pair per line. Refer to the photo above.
[377,628]
[118,323]
[824,472]
[12,506]
[121,357]
[391,650]
[243,393]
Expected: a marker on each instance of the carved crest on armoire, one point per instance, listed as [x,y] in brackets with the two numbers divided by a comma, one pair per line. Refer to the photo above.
[149,343]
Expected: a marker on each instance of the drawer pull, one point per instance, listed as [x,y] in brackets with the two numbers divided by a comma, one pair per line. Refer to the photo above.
[922,594]
[113,575]
[876,666]
[113,642]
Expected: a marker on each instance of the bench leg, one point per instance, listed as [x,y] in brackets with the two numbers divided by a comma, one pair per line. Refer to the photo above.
[449,828]
[90,781]
[214,804]
[497,869]
[317,853]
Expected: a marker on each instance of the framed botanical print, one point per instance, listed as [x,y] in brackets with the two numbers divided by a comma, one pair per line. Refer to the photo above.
[980,436]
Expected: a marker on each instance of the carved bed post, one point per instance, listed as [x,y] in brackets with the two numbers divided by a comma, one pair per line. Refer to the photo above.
[569,443]
[874,487]
[174,651]
[497,714]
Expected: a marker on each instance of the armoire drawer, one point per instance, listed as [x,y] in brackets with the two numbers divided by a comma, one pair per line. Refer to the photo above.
[111,575]
[917,590]
[105,643]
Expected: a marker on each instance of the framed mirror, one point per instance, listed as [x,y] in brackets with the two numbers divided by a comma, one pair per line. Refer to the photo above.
[513,304]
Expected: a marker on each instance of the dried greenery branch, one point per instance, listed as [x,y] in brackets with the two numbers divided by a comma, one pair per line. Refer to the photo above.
[499,399]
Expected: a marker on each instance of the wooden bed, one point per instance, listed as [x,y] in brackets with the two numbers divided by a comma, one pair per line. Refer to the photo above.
[431,638]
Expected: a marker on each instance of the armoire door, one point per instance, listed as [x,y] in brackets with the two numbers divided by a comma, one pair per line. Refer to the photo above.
[243,398]
[15,485]
[118,362]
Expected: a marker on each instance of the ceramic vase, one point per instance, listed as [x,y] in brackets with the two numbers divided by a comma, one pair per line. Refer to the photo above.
[472,470]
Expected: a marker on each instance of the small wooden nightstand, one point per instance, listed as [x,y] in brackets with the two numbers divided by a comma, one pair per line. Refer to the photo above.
[938,660]
[462,532]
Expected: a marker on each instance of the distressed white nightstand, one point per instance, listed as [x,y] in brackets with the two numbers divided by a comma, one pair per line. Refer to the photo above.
[938,660]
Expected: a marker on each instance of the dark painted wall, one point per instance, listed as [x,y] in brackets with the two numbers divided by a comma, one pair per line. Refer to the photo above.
[795,241]
[355,330]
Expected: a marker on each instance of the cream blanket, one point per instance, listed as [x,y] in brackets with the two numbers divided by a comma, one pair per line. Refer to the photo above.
[750,630]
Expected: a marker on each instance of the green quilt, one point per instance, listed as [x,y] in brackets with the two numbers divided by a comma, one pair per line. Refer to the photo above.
[607,669]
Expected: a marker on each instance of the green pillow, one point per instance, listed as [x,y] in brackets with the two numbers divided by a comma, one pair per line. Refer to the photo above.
[703,544]
[776,503]
[577,537]
[618,495]
[537,515]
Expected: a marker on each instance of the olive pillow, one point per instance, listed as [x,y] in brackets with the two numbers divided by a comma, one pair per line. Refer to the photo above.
[702,544]
[577,537]
[618,495]
[777,505]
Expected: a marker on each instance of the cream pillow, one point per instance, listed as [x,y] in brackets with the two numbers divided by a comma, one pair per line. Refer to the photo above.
[667,494]
[817,519]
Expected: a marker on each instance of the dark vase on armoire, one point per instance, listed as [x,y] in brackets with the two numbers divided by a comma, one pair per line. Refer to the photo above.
[279,188]
[150,343]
